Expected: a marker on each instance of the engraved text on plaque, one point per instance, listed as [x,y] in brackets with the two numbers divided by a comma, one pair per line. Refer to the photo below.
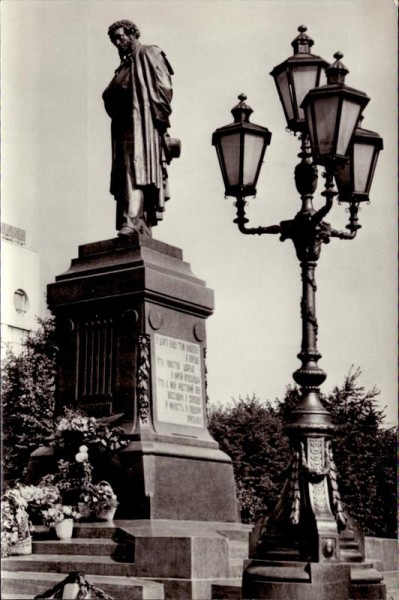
[178,381]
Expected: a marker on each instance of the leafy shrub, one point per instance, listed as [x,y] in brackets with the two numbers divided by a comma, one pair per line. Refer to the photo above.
[251,433]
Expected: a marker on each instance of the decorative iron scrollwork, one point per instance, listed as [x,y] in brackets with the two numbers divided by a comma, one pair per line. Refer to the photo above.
[143,378]
[335,495]
[206,380]
[314,468]
[294,490]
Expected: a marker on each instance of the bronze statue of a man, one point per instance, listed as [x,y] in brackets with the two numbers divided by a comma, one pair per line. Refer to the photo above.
[138,102]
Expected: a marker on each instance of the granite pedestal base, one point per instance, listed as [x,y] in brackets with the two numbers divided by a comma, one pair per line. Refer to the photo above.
[160,480]
[130,318]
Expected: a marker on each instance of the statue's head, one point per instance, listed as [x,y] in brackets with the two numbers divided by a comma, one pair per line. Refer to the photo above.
[123,34]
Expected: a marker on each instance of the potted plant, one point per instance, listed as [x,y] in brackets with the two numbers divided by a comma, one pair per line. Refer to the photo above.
[101,500]
[15,526]
[61,517]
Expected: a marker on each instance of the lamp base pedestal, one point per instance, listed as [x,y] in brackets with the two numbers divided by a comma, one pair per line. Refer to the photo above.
[279,580]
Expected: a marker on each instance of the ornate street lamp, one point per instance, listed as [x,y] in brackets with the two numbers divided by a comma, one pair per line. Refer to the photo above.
[296,76]
[240,147]
[303,550]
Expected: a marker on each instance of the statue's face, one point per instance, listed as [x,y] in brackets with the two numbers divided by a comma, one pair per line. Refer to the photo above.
[121,40]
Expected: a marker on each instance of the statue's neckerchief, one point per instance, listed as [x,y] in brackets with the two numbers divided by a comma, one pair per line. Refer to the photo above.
[128,58]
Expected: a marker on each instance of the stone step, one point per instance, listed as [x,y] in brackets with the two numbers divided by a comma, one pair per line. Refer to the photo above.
[351,555]
[350,543]
[227,589]
[26,584]
[365,573]
[49,563]
[283,555]
[16,596]
[238,549]
[236,567]
[77,546]
[236,534]
[95,530]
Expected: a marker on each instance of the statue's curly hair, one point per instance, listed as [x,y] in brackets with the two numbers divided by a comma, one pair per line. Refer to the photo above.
[129,27]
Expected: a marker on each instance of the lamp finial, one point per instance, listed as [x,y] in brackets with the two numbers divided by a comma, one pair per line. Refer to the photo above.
[302,43]
[337,72]
[242,110]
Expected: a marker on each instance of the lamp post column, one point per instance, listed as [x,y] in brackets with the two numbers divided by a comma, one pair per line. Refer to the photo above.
[304,521]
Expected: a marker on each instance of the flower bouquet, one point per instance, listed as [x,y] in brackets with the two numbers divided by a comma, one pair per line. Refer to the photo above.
[39,498]
[15,525]
[61,517]
[72,476]
[75,429]
[101,500]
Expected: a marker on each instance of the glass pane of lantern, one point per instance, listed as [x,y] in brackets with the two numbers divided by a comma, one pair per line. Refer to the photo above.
[323,77]
[230,147]
[253,145]
[325,116]
[349,117]
[310,124]
[362,156]
[305,79]
[343,179]
[282,82]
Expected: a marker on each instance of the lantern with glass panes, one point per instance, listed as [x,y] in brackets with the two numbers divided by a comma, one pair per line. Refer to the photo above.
[296,76]
[240,147]
[354,177]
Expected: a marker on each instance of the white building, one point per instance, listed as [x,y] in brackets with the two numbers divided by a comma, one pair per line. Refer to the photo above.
[20,288]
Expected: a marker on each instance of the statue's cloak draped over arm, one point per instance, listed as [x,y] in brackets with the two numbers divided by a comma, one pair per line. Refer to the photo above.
[152,95]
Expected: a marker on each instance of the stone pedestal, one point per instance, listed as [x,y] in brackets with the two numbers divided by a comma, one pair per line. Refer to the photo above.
[130,318]
[188,558]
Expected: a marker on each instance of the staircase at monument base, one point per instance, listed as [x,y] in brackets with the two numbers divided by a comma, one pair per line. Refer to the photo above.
[104,563]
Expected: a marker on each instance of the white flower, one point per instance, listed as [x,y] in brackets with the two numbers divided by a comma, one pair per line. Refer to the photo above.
[83,449]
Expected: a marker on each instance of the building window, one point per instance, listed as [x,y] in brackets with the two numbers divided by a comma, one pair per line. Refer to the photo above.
[21,301]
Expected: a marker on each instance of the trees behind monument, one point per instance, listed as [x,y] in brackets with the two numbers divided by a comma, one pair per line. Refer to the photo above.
[28,381]
[248,430]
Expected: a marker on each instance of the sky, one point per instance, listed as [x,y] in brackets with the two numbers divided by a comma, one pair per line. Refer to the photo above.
[56,62]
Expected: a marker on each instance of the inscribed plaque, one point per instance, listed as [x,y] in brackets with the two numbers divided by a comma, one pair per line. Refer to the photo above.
[178,381]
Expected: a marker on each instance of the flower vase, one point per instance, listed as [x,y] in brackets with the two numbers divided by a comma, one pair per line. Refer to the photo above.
[64,529]
[106,514]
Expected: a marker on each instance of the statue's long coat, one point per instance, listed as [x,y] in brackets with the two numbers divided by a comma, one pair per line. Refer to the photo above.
[138,102]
